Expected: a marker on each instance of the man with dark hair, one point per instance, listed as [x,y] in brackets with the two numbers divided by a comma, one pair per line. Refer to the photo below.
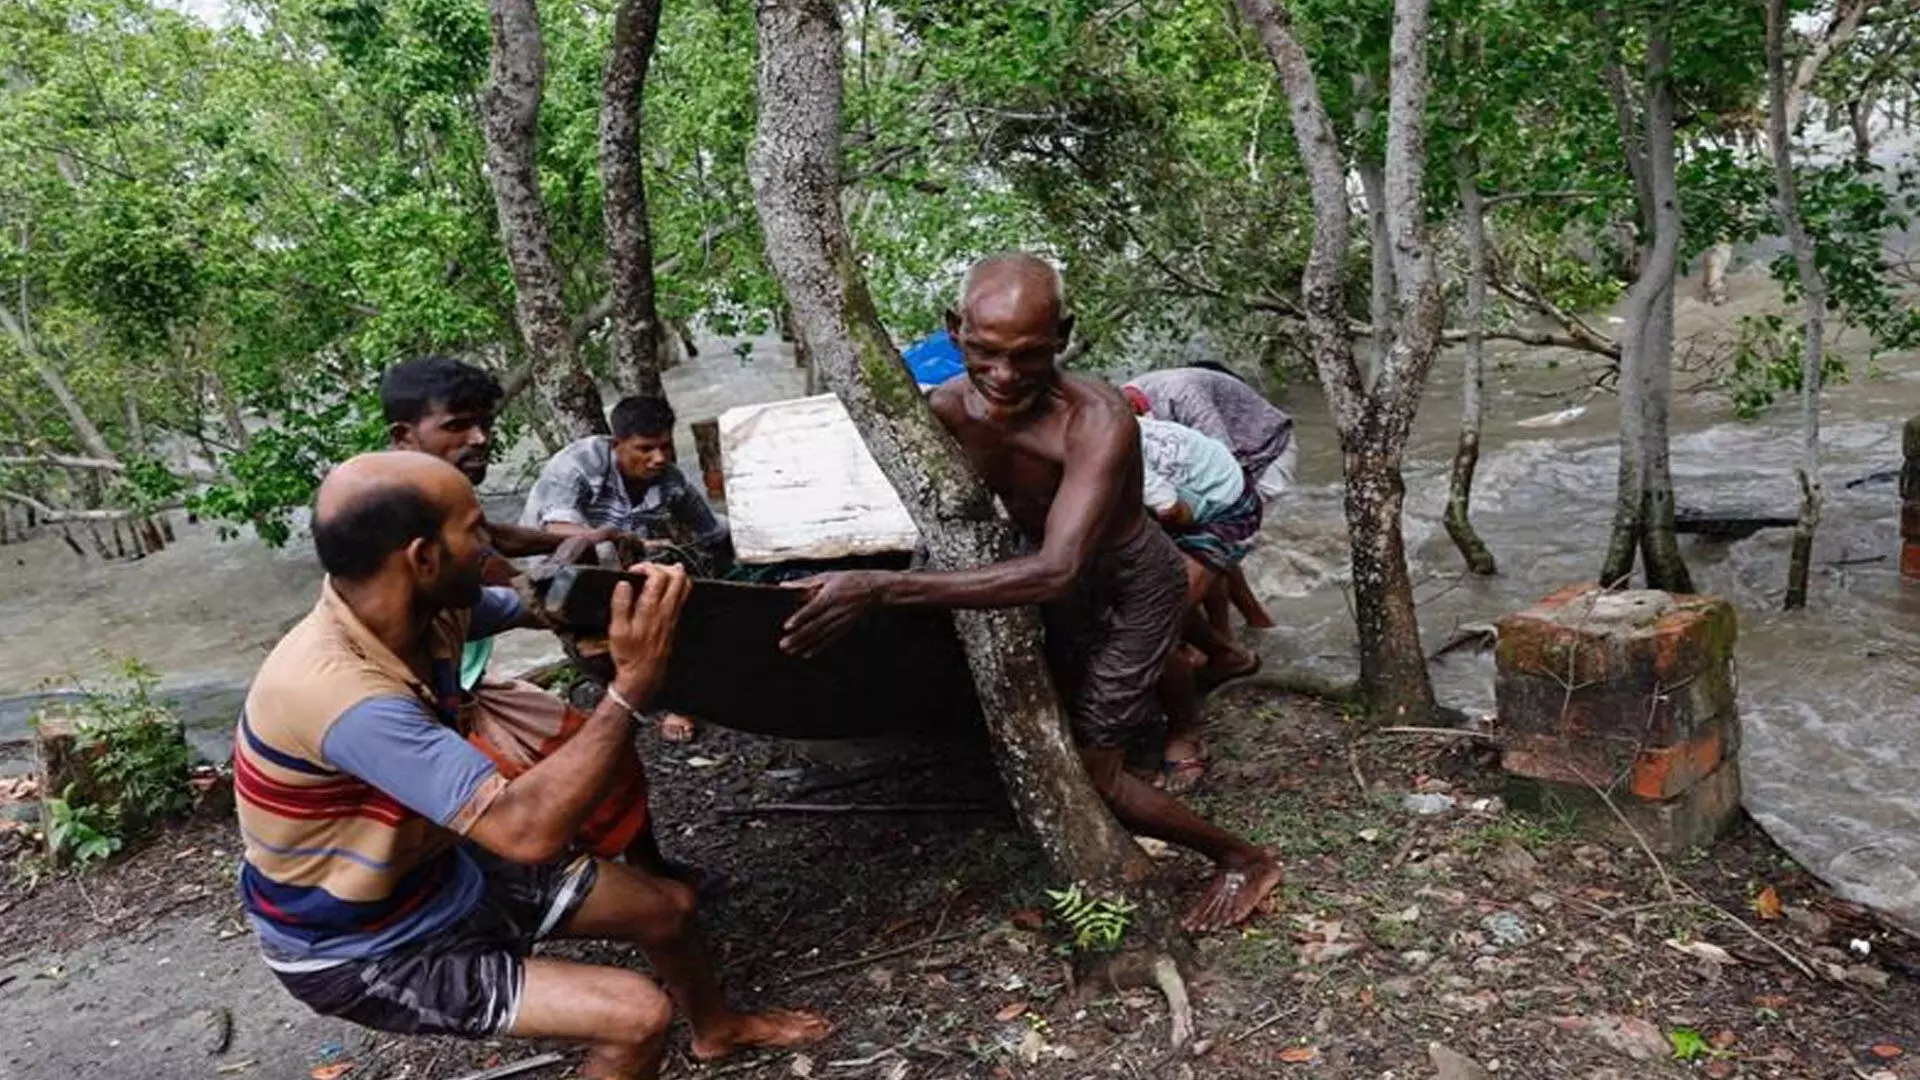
[628,482]
[396,877]
[446,408]
[1063,454]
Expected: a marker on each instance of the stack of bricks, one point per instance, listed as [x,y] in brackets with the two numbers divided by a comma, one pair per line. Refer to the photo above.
[1630,693]
[1910,501]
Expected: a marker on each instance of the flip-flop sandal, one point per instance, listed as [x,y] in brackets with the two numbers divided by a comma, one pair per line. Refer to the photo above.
[1180,776]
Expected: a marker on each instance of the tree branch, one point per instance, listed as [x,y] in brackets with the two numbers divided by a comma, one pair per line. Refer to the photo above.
[1488,202]
[1324,282]
[63,461]
[53,516]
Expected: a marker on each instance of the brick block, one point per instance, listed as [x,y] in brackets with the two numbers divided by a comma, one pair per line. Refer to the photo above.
[1910,559]
[1910,520]
[1530,704]
[1694,818]
[1622,763]
[1585,636]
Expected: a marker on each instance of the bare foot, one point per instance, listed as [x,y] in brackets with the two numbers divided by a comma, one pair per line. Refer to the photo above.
[1233,895]
[753,1031]
[1234,663]
[1258,618]
[675,728]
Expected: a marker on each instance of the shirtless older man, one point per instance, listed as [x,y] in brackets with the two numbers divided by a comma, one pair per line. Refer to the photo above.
[1063,454]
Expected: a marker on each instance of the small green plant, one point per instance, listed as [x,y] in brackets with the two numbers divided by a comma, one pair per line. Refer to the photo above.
[1098,923]
[81,834]
[134,768]
[1688,1044]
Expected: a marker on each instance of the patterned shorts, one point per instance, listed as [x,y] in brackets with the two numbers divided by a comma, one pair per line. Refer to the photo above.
[465,981]
[1223,540]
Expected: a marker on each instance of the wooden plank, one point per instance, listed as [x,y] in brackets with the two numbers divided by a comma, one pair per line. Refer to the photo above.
[801,485]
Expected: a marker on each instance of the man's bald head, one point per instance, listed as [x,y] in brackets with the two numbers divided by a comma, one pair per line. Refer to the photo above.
[1014,283]
[374,505]
[1011,323]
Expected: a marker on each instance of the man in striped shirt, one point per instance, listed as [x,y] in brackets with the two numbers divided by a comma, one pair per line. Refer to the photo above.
[395,875]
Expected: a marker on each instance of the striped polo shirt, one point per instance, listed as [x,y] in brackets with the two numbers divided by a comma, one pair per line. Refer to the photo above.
[354,787]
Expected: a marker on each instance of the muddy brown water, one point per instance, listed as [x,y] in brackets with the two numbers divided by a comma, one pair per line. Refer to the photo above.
[1827,695]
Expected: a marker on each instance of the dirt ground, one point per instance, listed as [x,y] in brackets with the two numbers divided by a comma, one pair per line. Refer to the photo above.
[1442,920]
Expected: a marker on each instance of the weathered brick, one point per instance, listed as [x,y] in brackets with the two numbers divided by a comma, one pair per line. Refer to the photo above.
[1669,826]
[1649,713]
[1621,762]
[1910,519]
[1586,635]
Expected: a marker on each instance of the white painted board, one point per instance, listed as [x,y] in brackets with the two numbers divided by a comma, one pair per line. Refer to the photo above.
[801,485]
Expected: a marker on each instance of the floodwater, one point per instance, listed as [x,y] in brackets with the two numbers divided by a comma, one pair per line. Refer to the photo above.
[1827,695]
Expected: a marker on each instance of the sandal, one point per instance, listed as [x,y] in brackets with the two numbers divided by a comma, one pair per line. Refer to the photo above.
[1179,776]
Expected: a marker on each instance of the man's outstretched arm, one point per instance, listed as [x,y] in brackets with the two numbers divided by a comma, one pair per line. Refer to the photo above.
[1097,465]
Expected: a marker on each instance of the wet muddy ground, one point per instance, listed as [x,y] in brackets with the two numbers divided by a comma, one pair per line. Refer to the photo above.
[1505,938]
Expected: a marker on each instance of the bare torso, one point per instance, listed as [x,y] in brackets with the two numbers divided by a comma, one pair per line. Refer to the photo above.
[1024,462]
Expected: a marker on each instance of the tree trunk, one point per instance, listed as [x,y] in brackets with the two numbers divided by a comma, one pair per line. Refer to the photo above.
[1659,544]
[20,329]
[1373,184]
[1644,503]
[1813,293]
[794,166]
[1393,666]
[510,114]
[1713,273]
[636,323]
[1860,120]
[1373,417]
[1466,454]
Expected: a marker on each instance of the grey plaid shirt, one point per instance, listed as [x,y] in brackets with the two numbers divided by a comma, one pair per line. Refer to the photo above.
[582,486]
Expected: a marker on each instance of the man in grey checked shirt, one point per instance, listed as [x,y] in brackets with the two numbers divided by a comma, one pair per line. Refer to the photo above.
[629,482]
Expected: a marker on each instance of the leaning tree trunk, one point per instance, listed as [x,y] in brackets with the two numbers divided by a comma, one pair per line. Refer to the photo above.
[20,329]
[1373,184]
[1466,454]
[1659,542]
[1813,296]
[510,118]
[795,169]
[1643,521]
[1373,417]
[636,322]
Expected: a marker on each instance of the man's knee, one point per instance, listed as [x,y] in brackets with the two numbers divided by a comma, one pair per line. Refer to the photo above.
[643,1010]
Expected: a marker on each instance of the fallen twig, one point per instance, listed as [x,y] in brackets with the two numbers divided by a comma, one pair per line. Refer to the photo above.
[862,808]
[1166,975]
[1443,732]
[874,958]
[516,1068]
[1279,1015]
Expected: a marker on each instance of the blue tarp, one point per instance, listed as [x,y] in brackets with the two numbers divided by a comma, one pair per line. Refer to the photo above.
[934,359]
